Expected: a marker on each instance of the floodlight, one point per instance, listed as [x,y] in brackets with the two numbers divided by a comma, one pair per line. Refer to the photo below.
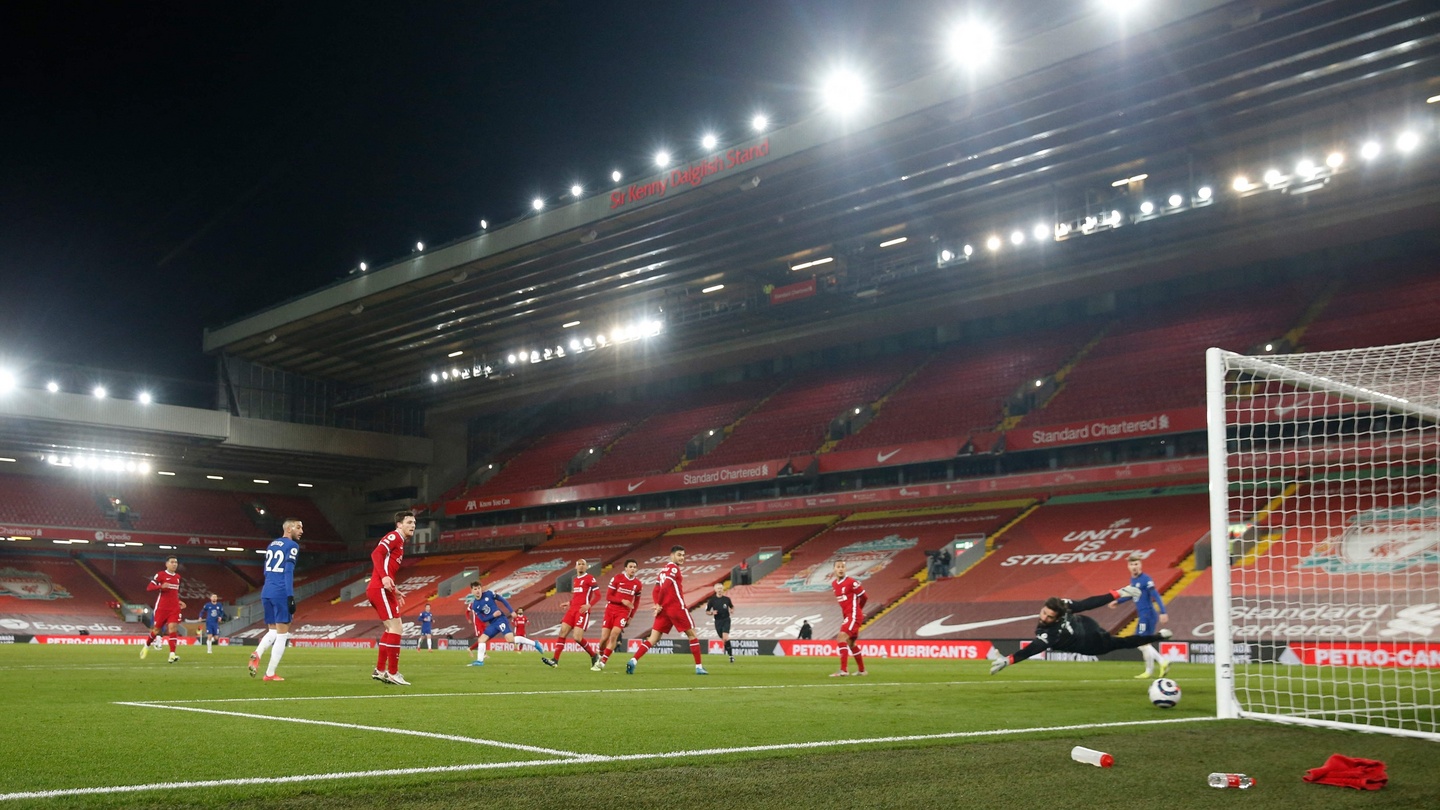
[759,123]
[1307,168]
[1017,238]
[537,204]
[576,190]
[1241,183]
[1147,208]
[1204,193]
[419,246]
[1114,219]
[1408,141]
[8,381]
[993,243]
[843,92]
[1175,200]
[1042,231]
[1335,160]
[145,398]
[709,141]
[899,240]
[969,251]
[53,387]
[662,158]
[1273,176]
[434,377]
[364,267]
[1370,150]
[615,176]
[484,225]
[946,255]
[713,288]
[99,392]
[574,345]
[972,44]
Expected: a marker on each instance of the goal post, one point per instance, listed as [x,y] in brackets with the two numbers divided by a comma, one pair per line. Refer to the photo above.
[1325,536]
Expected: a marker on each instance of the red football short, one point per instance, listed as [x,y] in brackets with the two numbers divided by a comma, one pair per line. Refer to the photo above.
[575,618]
[851,627]
[165,616]
[673,617]
[615,616]
[384,603]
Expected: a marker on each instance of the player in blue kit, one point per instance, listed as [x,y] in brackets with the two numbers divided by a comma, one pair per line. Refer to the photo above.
[278,597]
[426,627]
[1151,614]
[212,613]
[491,614]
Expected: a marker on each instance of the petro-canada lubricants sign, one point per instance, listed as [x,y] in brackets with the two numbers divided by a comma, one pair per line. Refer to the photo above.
[693,175]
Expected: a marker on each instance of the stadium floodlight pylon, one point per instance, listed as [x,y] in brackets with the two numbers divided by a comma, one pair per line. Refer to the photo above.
[1325,536]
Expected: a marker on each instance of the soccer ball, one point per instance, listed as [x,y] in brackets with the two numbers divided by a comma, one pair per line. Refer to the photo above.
[1164,693]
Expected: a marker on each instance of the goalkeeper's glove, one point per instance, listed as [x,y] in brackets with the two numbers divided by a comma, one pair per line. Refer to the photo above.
[999,664]
[1127,592]
[290,603]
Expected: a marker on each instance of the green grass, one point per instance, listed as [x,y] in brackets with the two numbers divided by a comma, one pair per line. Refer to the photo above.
[66,729]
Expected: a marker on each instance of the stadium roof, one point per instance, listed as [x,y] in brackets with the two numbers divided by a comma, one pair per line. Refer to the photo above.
[1096,115]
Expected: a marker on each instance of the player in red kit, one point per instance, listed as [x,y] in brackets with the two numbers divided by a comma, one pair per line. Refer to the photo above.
[387,599]
[577,617]
[167,606]
[520,621]
[851,596]
[670,612]
[621,600]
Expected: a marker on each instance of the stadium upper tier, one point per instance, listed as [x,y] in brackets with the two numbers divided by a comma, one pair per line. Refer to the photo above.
[145,508]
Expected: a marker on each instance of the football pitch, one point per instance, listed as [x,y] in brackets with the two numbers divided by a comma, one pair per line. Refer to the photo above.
[97,726]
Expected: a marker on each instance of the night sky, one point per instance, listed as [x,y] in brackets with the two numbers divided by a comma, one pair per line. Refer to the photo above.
[171,166]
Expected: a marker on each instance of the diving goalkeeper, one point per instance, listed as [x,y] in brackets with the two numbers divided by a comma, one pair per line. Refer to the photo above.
[1062,628]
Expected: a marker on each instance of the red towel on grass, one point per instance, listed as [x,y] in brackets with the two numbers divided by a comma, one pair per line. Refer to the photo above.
[1343,771]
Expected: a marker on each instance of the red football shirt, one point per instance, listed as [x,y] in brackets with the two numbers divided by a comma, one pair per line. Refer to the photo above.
[582,590]
[386,558]
[850,594]
[623,589]
[519,622]
[169,596]
[670,586]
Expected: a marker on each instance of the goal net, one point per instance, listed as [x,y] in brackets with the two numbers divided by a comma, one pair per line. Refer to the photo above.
[1325,536]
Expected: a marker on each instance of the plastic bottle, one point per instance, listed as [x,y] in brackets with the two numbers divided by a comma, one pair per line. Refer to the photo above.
[1230,780]
[1090,756]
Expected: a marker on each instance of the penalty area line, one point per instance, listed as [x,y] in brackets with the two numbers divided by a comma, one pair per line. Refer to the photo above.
[534,749]
[588,759]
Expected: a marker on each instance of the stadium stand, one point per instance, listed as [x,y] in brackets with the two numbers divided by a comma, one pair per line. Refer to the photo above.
[1073,546]
[964,389]
[54,502]
[658,444]
[883,549]
[1155,360]
[1393,306]
[794,420]
[198,580]
[42,593]
[545,463]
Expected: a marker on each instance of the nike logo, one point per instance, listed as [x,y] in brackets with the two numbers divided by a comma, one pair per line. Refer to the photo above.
[940,628]
[881,458]
[634,486]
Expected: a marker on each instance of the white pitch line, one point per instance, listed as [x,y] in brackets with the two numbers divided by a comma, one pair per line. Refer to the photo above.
[408,732]
[854,684]
[578,759]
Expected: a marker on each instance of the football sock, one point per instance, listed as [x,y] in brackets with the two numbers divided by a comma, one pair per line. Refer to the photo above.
[604,654]
[524,642]
[727,648]
[585,645]
[844,659]
[859,659]
[389,652]
[641,648]
[151,639]
[171,638]
[480,650]
[265,642]
[559,648]
[695,650]
[277,652]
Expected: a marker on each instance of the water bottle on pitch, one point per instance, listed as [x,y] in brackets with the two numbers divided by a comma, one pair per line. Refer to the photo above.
[1230,780]
[1090,756]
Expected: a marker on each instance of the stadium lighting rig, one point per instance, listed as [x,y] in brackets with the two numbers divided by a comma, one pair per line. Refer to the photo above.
[1309,174]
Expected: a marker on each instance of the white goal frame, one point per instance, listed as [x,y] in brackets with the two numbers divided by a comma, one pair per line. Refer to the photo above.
[1407,385]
